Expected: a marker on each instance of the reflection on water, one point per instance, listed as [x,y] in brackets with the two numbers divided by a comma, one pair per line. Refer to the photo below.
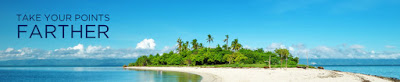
[159,76]
[92,74]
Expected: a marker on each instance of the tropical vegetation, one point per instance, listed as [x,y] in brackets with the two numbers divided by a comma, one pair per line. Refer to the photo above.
[195,54]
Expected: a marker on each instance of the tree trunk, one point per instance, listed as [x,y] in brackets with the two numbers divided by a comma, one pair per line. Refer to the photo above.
[286,62]
[269,63]
[189,62]
[231,58]
[307,59]
[227,44]
[281,63]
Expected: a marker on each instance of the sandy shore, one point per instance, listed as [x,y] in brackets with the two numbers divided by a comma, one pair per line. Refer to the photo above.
[275,74]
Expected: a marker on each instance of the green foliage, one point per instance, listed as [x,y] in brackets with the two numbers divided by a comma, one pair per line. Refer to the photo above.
[131,64]
[155,60]
[282,52]
[193,53]
[141,61]
[194,44]
[239,57]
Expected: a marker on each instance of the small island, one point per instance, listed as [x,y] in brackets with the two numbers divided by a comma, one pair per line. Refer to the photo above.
[228,55]
[231,62]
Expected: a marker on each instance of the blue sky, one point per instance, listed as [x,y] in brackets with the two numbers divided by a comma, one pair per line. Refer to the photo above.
[367,28]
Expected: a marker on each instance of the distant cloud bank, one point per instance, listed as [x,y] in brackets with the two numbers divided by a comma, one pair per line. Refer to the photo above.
[147,46]
[344,51]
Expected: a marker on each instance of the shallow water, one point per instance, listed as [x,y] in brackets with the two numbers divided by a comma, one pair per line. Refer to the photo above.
[98,74]
[386,71]
[380,67]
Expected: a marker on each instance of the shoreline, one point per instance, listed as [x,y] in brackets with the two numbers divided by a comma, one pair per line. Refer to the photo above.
[206,77]
[275,74]
[382,77]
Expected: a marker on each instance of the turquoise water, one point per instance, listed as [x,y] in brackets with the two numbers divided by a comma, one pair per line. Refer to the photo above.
[118,74]
[380,67]
[386,71]
[97,74]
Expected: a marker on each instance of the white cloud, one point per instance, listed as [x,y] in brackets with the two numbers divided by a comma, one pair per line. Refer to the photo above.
[93,49]
[356,46]
[299,46]
[274,46]
[291,49]
[9,49]
[168,49]
[146,44]
[77,47]
[100,52]
[78,51]
[248,47]
[390,46]
[342,52]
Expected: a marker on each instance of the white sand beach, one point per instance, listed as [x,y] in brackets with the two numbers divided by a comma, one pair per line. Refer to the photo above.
[274,74]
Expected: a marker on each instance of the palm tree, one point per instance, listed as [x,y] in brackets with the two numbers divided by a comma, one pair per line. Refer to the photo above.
[209,40]
[269,63]
[194,44]
[233,44]
[236,45]
[187,45]
[226,40]
[287,59]
[286,56]
[201,45]
[179,44]
[283,54]
[225,47]
[184,45]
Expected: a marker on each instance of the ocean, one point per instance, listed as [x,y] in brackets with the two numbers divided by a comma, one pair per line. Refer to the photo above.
[386,71]
[93,74]
[379,67]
